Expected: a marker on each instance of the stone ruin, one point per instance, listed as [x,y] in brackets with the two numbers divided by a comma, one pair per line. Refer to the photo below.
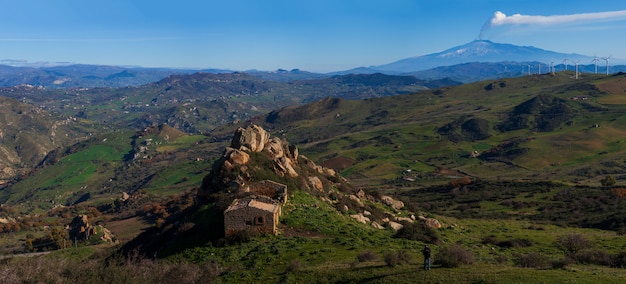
[81,230]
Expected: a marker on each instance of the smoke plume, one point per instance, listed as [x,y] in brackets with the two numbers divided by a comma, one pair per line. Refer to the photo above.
[500,19]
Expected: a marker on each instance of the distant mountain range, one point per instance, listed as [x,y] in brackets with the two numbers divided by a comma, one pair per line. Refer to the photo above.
[79,75]
[482,51]
[474,61]
[483,59]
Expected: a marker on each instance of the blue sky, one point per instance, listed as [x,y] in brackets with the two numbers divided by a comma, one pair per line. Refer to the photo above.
[314,35]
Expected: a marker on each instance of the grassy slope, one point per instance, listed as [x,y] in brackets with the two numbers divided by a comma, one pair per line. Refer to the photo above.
[387,135]
[96,172]
[319,245]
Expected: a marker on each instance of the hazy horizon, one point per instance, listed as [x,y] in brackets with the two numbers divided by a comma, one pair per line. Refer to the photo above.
[317,36]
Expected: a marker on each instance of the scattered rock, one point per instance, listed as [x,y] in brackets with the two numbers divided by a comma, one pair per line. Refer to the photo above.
[359,217]
[432,223]
[407,219]
[357,200]
[395,226]
[395,204]
[316,183]
[377,226]
[360,193]
[125,196]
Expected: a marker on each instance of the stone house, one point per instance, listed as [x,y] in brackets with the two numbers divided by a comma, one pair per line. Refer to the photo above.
[257,214]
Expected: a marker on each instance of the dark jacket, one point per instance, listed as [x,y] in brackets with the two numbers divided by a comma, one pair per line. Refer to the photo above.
[426,252]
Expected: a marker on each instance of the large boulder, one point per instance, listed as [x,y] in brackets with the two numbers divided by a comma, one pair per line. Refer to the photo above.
[359,217]
[432,223]
[315,183]
[395,225]
[275,147]
[395,204]
[253,138]
[236,157]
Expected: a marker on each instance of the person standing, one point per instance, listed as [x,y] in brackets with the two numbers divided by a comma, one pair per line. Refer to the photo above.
[426,253]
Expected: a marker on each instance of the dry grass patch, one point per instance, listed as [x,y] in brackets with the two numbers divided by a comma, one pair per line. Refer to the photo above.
[127,229]
[616,89]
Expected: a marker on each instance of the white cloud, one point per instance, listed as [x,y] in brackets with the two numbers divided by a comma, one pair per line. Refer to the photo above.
[501,19]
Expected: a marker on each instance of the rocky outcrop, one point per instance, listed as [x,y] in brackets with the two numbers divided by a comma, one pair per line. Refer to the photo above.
[81,230]
[252,139]
[236,169]
[253,152]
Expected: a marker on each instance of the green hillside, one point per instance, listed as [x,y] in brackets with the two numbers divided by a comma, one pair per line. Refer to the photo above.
[159,161]
[536,127]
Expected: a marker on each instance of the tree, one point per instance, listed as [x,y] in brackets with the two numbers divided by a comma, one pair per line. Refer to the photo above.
[608,181]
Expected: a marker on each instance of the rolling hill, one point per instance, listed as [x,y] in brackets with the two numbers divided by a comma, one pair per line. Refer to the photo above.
[513,168]
[533,127]
[82,75]
[199,102]
[28,133]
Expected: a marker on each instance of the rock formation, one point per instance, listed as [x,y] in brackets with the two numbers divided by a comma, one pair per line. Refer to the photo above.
[253,153]
[234,171]
[81,230]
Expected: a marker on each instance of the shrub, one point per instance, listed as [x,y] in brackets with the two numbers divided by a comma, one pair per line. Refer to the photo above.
[515,243]
[294,266]
[418,231]
[562,263]
[240,237]
[532,260]
[620,260]
[365,256]
[573,243]
[394,258]
[607,181]
[454,256]
[404,256]
[490,240]
[512,243]
[501,258]
[591,256]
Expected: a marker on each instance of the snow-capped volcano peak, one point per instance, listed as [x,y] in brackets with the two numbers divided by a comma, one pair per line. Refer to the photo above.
[478,51]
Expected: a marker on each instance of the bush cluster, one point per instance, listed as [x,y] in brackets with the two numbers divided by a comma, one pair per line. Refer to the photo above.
[511,243]
[418,231]
[532,260]
[453,256]
[366,256]
[129,270]
[394,258]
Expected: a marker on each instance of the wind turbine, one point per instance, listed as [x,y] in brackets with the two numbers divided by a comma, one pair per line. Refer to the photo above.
[595,61]
[565,62]
[552,67]
[607,64]
[576,62]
